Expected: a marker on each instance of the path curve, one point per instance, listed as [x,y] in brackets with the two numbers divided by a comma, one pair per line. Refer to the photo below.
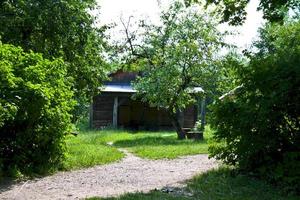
[131,174]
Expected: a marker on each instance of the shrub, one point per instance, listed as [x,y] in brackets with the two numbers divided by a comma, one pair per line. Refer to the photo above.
[258,130]
[35,101]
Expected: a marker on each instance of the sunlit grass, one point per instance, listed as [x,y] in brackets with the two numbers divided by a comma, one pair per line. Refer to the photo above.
[85,151]
[218,184]
[90,148]
[155,145]
[162,145]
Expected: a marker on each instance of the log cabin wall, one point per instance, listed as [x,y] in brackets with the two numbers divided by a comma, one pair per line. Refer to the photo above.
[102,110]
[190,116]
[134,114]
[130,113]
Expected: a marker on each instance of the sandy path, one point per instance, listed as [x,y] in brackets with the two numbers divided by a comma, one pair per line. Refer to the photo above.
[131,174]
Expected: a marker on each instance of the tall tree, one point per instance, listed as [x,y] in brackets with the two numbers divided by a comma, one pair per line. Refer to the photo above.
[233,11]
[58,28]
[257,130]
[176,56]
[35,104]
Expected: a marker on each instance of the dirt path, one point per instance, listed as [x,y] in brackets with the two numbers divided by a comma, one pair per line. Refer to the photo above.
[131,174]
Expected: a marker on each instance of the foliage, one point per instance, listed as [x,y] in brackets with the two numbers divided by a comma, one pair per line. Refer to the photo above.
[216,184]
[150,145]
[59,29]
[175,57]
[228,77]
[258,130]
[87,150]
[234,12]
[35,100]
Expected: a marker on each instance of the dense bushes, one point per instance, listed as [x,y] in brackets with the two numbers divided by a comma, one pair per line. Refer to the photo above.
[258,129]
[35,99]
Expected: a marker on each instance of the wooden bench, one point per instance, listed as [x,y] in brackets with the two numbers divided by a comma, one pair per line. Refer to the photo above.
[196,135]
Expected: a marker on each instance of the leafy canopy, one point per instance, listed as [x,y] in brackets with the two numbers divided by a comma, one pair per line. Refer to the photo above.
[233,11]
[181,55]
[35,102]
[175,57]
[258,129]
[63,29]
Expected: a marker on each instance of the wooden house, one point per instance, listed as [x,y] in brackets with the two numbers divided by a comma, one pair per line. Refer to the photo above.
[115,107]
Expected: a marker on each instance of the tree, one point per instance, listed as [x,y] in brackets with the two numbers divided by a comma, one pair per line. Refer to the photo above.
[35,102]
[233,11]
[258,129]
[56,29]
[175,57]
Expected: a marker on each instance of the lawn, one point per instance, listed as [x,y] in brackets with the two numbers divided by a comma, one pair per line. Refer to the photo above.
[220,184]
[85,150]
[90,148]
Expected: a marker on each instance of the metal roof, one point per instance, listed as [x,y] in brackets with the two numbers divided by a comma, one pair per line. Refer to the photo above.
[118,88]
[197,90]
[129,89]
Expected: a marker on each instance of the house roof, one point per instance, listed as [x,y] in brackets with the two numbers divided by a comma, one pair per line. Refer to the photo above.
[197,90]
[118,88]
[129,88]
[121,82]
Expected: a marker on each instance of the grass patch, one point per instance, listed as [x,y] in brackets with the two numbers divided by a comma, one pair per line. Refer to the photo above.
[163,145]
[90,148]
[224,184]
[155,145]
[159,147]
[85,151]
[141,196]
[218,184]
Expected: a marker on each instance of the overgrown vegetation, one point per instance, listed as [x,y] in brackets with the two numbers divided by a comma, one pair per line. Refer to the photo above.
[35,102]
[175,57]
[90,147]
[46,83]
[60,29]
[258,129]
[40,93]
[218,184]
[234,11]
[87,150]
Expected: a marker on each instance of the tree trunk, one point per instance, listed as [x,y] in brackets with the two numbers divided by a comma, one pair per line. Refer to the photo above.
[177,126]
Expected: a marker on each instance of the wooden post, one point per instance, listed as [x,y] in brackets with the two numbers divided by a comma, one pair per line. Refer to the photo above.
[115,113]
[91,114]
[180,117]
[203,113]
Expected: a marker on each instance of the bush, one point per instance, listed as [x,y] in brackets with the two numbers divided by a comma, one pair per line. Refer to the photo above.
[258,130]
[35,102]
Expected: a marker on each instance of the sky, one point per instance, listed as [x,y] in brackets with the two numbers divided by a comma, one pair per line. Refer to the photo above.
[112,10]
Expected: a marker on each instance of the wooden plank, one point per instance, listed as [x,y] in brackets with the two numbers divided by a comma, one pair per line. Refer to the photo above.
[115,112]
[91,115]
[203,113]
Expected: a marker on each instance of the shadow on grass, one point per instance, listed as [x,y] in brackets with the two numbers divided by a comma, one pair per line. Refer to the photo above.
[155,141]
[220,184]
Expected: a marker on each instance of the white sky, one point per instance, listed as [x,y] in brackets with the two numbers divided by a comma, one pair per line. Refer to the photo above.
[111,10]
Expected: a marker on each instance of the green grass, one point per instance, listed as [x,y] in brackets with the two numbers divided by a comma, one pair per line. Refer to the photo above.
[86,151]
[218,184]
[148,196]
[162,147]
[90,148]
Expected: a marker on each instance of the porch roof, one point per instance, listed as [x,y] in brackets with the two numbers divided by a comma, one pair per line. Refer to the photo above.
[118,88]
[129,88]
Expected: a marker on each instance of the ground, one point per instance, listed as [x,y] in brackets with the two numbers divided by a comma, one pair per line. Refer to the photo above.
[106,164]
[131,174]
[90,148]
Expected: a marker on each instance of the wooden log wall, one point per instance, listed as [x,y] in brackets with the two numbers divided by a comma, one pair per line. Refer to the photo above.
[134,114]
[102,110]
